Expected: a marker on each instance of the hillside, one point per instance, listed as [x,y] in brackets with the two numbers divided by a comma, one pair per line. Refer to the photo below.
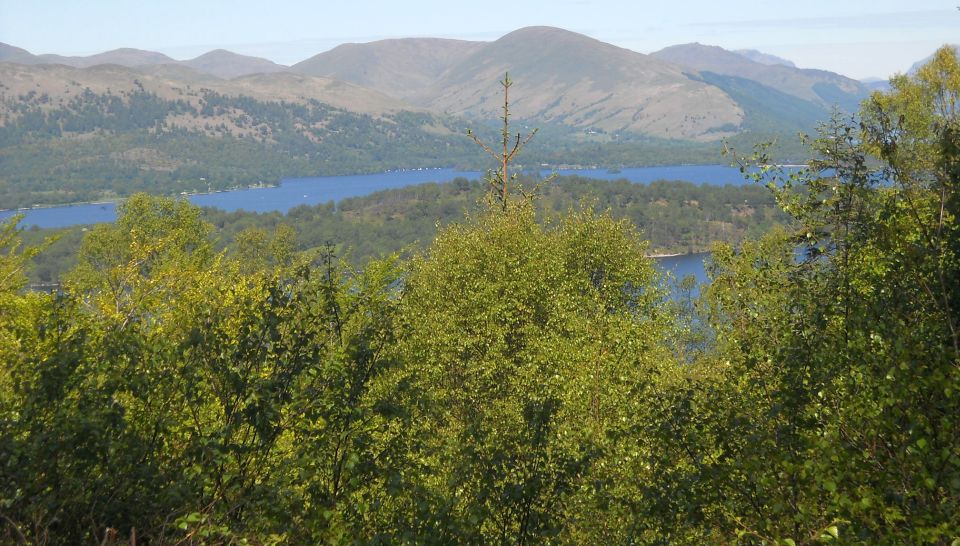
[564,80]
[764,58]
[401,67]
[567,78]
[124,56]
[69,134]
[13,54]
[107,130]
[61,83]
[817,86]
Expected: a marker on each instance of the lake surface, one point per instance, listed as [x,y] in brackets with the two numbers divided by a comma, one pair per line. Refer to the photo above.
[292,192]
[685,264]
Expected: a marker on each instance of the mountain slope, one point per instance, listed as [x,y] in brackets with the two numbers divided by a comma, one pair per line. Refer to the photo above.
[764,58]
[563,79]
[400,67]
[70,134]
[876,84]
[767,109]
[12,54]
[817,86]
[567,78]
[126,56]
[174,82]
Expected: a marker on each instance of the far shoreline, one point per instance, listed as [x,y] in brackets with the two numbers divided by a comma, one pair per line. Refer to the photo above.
[117,199]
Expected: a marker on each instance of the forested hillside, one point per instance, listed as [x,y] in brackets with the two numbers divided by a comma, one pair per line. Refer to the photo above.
[88,145]
[521,379]
[109,125]
[139,132]
[91,146]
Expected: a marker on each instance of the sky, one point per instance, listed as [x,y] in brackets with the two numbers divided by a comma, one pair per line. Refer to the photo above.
[857,38]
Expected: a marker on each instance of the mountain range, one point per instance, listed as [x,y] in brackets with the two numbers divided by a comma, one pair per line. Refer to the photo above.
[560,78]
[219,62]
[75,128]
[686,92]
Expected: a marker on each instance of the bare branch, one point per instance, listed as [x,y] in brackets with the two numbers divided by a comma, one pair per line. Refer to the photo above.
[486,148]
[500,180]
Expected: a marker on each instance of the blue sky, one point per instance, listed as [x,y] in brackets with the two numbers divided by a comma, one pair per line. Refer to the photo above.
[859,38]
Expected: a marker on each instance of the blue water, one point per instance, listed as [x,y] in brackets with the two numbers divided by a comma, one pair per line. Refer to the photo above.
[686,264]
[292,192]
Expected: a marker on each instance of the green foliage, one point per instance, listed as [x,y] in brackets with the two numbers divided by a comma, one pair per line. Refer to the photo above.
[16,309]
[14,259]
[157,248]
[828,410]
[530,348]
[189,397]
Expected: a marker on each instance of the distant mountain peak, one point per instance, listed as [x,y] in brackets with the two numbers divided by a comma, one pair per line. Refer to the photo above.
[764,58]
[690,91]
[227,64]
[819,86]
[129,50]
[14,54]
[396,66]
[219,62]
[541,30]
[126,56]
[546,34]
[916,66]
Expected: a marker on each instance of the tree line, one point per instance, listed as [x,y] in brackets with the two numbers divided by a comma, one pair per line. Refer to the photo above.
[675,216]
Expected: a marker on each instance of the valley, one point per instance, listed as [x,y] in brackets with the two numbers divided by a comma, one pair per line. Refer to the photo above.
[129,120]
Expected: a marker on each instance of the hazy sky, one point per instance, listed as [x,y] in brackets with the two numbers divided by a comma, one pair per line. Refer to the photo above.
[859,38]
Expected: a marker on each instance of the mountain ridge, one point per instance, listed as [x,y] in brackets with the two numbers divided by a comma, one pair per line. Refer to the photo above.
[758,56]
[60,83]
[818,86]
[690,92]
[569,78]
[398,66]
[218,62]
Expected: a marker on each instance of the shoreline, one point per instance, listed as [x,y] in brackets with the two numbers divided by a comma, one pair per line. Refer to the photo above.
[262,184]
[659,255]
[120,199]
